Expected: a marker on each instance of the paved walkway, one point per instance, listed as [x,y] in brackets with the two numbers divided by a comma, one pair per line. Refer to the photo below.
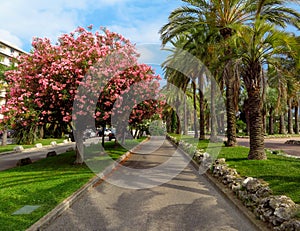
[277,144]
[186,202]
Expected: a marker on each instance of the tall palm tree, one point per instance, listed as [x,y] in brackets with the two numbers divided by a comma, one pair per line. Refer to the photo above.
[180,71]
[218,16]
[221,16]
[258,45]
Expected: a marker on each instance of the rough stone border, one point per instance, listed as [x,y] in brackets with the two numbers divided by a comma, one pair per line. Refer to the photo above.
[68,202]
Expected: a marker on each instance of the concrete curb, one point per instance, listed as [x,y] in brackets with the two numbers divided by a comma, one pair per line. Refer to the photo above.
[35,149]
[227,194]
[68,202]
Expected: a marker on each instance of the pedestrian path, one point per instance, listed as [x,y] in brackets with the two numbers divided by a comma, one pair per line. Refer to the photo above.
[186,202]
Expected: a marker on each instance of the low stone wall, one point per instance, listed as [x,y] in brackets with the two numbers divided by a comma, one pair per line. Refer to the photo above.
[277,211]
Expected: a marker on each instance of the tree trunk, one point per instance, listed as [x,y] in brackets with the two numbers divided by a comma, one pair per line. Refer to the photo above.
[4,137]
[271,122]
[230,105]
[185,122]
[213,123]
[201,105]
[252,81]
[103,137]
[79,148]
[290,116]
[246,109]
[195,110]
[282,128]
[42,132]
[264,115]
[296,119]
[257,151]
[174,122]
[177,104]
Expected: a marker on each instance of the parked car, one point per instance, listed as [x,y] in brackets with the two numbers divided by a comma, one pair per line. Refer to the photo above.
[107,132]
[112,135]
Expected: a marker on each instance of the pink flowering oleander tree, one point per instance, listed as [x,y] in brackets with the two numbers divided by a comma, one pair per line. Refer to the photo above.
[129,99]
[53,79]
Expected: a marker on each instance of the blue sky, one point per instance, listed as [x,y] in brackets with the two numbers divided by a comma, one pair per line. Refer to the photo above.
[137,20]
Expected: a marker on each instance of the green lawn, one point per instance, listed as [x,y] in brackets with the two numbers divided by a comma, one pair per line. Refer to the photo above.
[45,183]
[10,147]
[282,173]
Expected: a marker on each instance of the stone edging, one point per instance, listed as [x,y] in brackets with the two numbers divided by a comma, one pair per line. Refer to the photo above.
[278,212]
[67,203]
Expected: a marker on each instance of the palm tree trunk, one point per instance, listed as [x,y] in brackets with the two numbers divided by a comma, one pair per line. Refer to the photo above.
[178,128]
[195,110]
[252,81]
[296,119]
[185,122]
[271,122]
[290,116]
[230,104]
[264,115]
[201,104]
[246,109]
[213,127]
[257,151]
[282,128]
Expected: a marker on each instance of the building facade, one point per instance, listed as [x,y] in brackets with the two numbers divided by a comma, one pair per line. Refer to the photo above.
[8,53]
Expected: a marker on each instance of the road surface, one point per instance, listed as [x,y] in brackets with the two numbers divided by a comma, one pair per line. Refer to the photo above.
[186,202]
[277,144]
[10,160]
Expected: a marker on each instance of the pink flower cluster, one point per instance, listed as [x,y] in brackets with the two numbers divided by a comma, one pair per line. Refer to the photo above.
[45,84]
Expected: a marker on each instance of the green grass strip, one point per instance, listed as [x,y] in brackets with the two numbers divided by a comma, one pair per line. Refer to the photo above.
[45,183]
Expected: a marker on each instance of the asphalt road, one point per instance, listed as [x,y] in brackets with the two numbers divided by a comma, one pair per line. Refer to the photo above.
[277,144]
[186,202]
[10,160]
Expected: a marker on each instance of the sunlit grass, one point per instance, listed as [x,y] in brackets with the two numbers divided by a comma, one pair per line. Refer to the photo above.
[45,183]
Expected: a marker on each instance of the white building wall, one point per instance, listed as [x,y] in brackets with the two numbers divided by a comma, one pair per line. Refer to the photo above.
[7,53]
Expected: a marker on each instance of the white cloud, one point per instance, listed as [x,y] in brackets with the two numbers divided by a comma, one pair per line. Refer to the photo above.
[10,38]
[152,53]
[137,20]
[33,18]
[139,32]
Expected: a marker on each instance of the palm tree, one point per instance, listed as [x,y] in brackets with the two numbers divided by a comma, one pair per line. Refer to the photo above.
[180,71]
[258,45]
[217,16]
[221,16]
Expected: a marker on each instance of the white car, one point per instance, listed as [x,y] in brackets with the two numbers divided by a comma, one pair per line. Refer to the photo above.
[107,132]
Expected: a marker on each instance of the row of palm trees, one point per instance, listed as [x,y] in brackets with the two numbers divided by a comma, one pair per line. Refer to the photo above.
[244,45]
